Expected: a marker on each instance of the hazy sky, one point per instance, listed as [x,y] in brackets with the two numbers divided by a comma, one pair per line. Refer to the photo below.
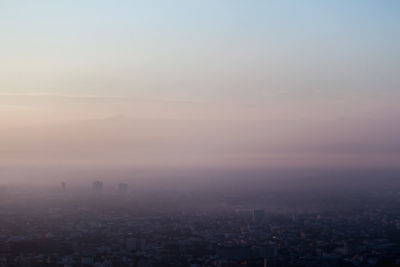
[200,83]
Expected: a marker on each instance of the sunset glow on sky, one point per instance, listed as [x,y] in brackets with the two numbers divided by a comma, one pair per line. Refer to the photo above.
[232,84]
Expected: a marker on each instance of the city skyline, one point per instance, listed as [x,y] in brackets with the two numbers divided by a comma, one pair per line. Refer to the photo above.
[212,133]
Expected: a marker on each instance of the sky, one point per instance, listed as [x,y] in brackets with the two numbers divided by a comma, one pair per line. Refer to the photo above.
[209,84]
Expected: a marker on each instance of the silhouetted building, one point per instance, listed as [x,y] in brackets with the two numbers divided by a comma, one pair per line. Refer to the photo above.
[97,186]
[64,187]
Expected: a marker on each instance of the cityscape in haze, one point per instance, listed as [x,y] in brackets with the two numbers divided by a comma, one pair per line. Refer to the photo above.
[199,133]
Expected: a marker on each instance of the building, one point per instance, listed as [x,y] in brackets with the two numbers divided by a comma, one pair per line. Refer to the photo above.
[97,186]
[64,187]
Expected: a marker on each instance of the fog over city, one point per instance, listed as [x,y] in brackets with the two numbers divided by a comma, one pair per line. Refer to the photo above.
[199,133]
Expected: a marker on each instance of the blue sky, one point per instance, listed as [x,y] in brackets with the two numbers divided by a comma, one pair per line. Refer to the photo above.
[245,83]
[196,49]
